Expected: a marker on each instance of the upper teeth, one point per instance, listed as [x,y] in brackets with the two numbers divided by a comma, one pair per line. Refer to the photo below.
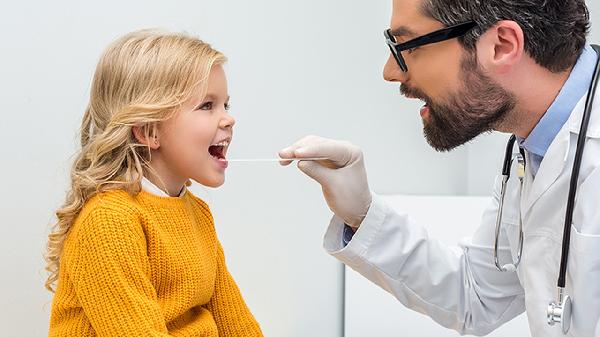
[222,143]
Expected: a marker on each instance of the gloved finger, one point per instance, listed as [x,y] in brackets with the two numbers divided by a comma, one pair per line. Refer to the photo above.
[314,146]
[338,153]
[289,152]
[287,155]
[314,170]
[285,162]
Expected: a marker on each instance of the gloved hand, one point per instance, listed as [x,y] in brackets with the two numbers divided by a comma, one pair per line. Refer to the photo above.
[342,175]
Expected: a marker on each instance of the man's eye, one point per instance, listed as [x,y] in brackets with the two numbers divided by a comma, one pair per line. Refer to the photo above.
[411,50]
[205,106]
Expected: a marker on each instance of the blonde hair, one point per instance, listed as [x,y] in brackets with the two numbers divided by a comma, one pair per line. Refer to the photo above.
[141,79]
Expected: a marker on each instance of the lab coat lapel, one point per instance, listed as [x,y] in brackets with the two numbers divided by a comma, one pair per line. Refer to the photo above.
[552,166]
[555,160]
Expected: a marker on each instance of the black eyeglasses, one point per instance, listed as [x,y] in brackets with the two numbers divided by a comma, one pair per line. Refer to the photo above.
[433,37]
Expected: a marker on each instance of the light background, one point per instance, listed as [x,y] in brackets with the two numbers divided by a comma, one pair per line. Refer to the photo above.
[296,68]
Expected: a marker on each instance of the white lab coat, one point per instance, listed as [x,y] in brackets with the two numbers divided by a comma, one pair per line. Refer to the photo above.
[459,287]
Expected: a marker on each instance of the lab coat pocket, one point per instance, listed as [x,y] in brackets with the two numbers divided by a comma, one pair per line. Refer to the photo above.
[583,281]
[583,243]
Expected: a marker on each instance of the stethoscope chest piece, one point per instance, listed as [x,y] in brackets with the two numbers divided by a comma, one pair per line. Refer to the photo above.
[561,313]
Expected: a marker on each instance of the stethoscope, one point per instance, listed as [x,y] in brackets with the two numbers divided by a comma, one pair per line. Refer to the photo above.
[559,310]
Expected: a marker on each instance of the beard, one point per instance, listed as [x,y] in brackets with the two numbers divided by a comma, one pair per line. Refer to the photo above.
[476,108]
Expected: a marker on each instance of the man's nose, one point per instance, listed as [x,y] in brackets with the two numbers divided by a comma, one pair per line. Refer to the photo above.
[392,71]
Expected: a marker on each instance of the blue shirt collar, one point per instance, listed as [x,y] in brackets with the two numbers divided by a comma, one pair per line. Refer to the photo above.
[557,115]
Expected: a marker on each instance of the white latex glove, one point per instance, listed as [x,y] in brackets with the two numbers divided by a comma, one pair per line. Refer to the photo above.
[342,175]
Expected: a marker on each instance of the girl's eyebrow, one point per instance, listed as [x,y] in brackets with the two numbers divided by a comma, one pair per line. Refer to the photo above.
[211,96]
[208,96]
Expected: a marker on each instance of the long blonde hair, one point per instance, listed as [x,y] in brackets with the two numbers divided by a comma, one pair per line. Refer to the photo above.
[141,79]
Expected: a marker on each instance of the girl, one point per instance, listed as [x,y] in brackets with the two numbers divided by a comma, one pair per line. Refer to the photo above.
[134,253]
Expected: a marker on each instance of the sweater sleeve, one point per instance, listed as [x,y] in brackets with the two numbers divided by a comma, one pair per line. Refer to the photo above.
[110,272]
[227,306]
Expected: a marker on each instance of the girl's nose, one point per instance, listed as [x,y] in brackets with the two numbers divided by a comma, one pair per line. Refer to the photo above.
[227,121]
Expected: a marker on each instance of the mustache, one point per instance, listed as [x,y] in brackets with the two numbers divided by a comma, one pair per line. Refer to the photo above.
[410,92]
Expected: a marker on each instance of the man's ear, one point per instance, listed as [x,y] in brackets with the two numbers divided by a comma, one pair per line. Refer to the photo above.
[143,135]
[501,47]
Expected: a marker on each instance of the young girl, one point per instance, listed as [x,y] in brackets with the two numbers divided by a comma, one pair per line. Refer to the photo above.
[134,253]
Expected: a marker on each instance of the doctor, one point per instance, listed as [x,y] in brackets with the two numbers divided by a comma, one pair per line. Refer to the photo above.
[521,67]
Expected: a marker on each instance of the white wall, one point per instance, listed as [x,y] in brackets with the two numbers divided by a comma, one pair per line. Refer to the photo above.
[296,67]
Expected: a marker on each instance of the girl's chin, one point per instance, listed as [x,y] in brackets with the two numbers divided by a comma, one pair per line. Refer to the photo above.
[212,182]
[218,184]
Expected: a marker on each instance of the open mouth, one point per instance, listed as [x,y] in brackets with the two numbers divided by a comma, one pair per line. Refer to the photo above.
[219,150]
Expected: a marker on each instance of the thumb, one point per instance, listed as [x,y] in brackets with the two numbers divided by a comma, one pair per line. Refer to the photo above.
[314,170]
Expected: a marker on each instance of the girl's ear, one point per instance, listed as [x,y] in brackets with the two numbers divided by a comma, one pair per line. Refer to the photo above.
[143,135]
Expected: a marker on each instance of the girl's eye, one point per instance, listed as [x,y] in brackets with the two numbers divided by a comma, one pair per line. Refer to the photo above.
[205,106]
[227,106]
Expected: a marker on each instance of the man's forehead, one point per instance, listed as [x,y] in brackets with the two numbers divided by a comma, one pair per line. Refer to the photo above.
[407,8]
[409,19]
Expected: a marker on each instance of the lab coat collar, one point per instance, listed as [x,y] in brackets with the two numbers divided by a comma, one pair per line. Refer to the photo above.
[577,115]
[554,162]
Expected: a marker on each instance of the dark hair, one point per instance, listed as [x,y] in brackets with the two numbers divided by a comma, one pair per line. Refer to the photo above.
[554,30]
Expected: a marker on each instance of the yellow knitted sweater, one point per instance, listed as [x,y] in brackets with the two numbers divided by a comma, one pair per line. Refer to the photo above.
[146,266]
